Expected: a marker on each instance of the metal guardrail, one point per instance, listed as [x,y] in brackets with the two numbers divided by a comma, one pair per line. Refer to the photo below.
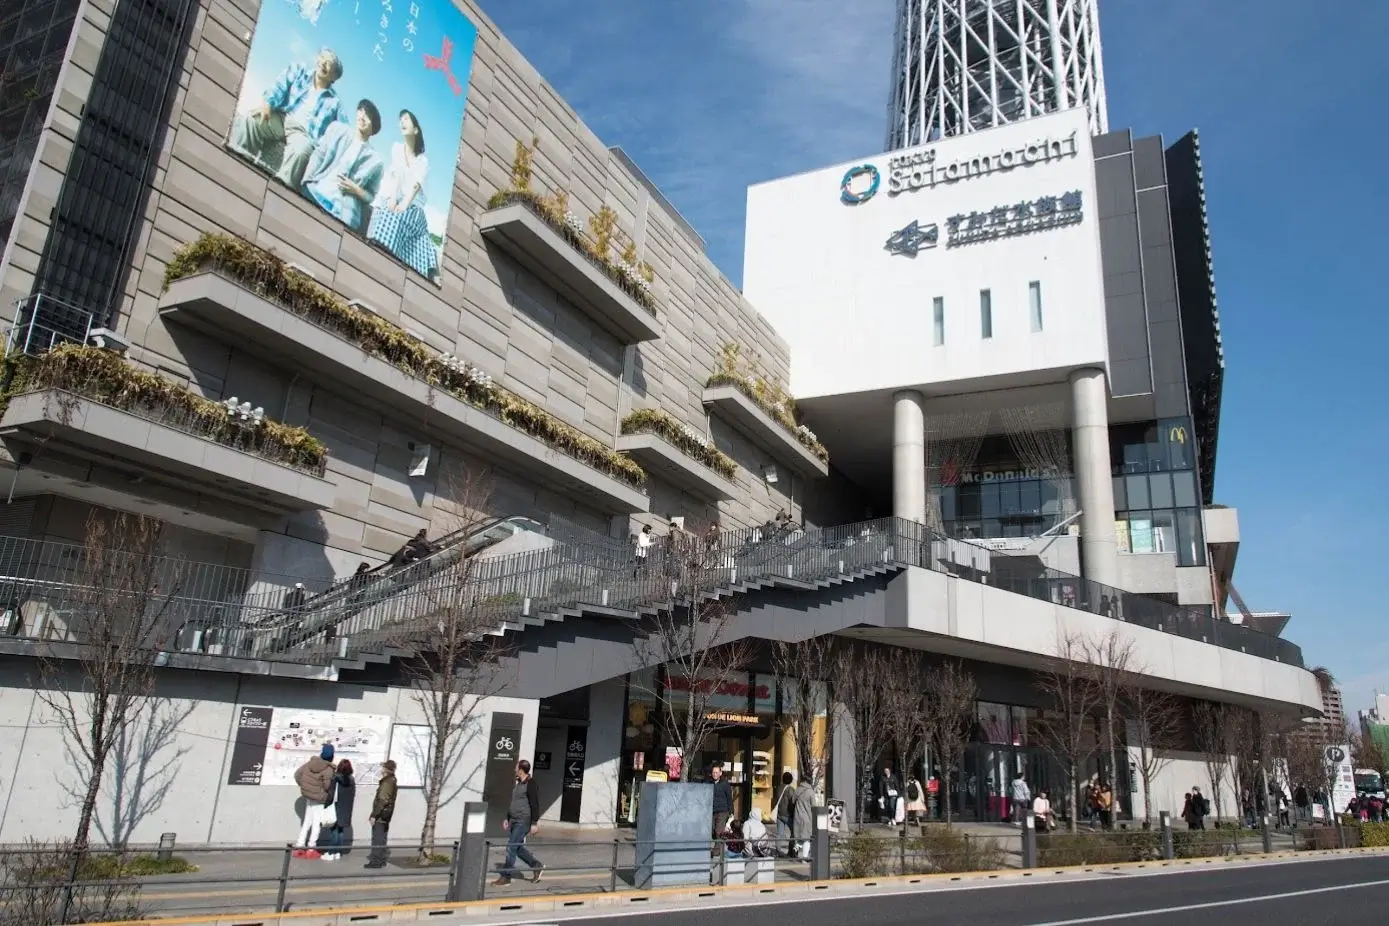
[237,879]
[210,613]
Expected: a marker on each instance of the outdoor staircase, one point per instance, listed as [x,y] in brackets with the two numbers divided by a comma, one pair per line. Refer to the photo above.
[623,598]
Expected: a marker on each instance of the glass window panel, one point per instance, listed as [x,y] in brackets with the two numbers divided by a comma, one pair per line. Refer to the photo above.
[1030,497]
[1184,490]
[1141,532]
[990,504]
[1122,540]
[938,320]
[969,501]
[1120,498]
[986,314]
[994,722]
[1009,497]
[947,503]
[1191,549]
[1136,489]
[1034,304]
[1164,532]
[1160,490]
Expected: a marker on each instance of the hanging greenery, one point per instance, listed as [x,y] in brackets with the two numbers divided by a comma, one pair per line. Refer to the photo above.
[668,428]
[273,279]
[770,396]
[104,377]
[597,242]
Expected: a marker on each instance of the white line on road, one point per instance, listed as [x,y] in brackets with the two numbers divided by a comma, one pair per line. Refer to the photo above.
[1110,917]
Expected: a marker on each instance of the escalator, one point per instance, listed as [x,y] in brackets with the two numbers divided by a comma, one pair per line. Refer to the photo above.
[319,617]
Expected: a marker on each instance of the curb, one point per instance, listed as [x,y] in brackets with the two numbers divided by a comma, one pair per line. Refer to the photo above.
[628,900]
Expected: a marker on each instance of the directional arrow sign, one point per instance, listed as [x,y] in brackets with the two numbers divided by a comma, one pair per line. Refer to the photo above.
[574,770]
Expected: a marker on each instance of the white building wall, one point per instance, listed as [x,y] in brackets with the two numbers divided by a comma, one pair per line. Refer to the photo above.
[177,782]
[857,317]
[1177,775]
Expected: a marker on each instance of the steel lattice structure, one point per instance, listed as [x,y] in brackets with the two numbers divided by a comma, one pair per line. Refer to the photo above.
[965,65]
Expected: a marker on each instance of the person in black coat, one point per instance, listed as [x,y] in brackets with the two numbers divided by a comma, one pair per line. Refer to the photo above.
[344,796]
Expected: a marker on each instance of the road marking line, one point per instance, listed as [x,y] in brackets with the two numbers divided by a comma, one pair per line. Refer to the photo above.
[1212,904]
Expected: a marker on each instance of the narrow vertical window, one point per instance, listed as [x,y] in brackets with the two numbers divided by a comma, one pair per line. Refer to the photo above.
[1034,304]
[986,314]
[938,319]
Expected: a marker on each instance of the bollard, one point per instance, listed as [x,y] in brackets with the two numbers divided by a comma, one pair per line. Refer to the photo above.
[1266,833]
[1165,821]
[470,861]
[166,846]
[280,905]
[820,846]
[1029,840]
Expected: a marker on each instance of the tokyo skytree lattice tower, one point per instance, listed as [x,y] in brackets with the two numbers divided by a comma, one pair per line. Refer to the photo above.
[965,65]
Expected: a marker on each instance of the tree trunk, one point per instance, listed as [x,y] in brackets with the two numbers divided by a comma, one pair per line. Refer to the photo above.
[82,839]
[443,733]
[1073,786]
[687,748]
[1147,777]
[1113,771]
[945,771]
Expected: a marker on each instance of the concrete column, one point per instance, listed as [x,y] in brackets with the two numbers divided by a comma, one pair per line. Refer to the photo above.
[909,456]
[1099,557]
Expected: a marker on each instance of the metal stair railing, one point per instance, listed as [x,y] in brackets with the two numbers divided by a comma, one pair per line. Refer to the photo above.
[513,589]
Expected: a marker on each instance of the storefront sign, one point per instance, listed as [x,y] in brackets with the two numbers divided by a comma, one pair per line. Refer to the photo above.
[739,690]
[1024,218]
[920,170]
[542,761]
[951,476]
[575,757]
[913,239]
[248,754]
[744,720]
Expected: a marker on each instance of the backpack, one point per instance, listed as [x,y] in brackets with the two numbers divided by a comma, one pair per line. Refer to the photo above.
[914,791]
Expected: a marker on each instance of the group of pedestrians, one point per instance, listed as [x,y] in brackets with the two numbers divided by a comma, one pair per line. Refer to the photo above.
[329,792]
[794,816]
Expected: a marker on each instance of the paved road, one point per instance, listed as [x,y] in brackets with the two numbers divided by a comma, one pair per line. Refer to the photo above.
[1342,891]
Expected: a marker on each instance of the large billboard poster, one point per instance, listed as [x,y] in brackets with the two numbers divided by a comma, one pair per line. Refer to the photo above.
[358,106]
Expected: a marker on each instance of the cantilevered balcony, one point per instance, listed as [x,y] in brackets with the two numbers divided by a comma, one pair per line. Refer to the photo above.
[732,404]
[667,449]
[161,446]
[518,229]
[309,328]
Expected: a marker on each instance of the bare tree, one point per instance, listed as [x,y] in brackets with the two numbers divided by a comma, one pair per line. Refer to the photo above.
[455,665]
[1213,723]
[1158,720]
[862,702]
[901,681]
[693,640]
[122,604]
[1110,663]
[803,671]
[948,713]
[1367,752]
[1066,729]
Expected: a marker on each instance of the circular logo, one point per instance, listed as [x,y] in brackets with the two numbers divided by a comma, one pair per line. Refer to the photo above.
[852,189]
[1335,754]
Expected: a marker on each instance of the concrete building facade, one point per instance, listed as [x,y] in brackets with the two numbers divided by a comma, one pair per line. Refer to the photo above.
[1005,437]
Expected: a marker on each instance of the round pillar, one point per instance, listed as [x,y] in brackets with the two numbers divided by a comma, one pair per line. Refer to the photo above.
[1099,556]
[909,456]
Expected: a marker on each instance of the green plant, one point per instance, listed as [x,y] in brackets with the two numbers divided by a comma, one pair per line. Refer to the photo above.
[521,165]
[274,280]
[104,377]
[1374,835]
[943,848]
[666,427]
[602,225]
[771,397]
[1056,850]
[504,599]
[864,855]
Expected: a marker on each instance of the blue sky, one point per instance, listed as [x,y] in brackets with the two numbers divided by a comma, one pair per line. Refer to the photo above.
[286,34]
[710,97]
